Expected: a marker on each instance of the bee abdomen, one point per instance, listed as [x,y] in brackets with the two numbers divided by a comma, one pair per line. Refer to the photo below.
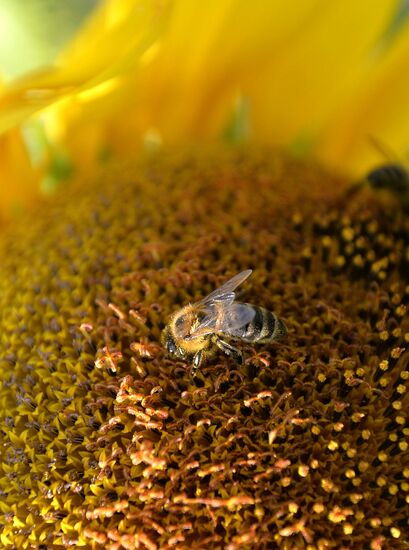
[265,326]
[390,176]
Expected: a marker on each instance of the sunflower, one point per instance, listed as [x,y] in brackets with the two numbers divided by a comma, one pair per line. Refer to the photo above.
[105,440]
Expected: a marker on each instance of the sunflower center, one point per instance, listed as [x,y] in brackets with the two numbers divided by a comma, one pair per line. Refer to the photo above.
[106,439]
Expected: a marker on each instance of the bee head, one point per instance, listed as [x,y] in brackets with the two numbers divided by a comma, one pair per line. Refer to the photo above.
[377,180]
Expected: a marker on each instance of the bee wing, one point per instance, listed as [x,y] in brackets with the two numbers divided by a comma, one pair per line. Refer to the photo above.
[225,293]
[226,319]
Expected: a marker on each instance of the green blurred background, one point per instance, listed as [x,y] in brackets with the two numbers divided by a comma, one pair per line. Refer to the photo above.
[32,32]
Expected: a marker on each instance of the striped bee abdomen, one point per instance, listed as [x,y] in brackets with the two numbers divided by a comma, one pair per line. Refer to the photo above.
[393,177]
[264,327]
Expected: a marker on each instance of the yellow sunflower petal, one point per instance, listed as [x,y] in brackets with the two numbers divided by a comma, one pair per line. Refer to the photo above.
[174,72]
[19,179]
[210,50]
[186,84]
[377,113]
[119,31]
[307,81]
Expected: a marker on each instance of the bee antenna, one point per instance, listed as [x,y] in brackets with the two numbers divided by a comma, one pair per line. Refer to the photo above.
[383,148]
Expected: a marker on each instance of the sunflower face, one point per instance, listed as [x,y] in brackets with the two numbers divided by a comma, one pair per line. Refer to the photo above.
[107,442]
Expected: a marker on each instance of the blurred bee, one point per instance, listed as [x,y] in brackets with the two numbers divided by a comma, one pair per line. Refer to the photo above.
[197,330]
[391,178]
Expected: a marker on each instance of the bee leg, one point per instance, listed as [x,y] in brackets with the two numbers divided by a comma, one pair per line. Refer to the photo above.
[197,359]
[230,350]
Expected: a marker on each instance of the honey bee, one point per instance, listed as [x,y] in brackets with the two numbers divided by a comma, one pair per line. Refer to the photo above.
[392,179]
[389,178]
[197,330]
